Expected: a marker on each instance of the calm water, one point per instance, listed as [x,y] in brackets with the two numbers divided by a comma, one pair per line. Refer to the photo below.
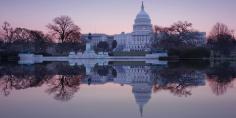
[128,90]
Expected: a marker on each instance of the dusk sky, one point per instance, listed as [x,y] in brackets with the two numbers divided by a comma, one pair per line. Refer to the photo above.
[115,16]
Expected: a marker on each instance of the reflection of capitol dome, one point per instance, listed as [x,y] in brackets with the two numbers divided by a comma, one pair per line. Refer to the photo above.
[142,85]
[142,22]
[142,94]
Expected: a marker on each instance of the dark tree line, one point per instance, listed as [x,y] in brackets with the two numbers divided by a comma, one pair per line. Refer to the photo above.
[22,35]
[177,40]
[181,41]
[63,36]
[23,39]
[176,36]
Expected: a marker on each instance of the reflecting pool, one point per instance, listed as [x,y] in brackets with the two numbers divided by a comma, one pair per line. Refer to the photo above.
[119,89]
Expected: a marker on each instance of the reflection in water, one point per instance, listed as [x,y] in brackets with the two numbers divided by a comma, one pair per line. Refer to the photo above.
[63,81]
[179,80]
[63,87]
[220,78]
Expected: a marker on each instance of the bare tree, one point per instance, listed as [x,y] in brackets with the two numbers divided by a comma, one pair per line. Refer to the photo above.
[74,37]
[64,28]
[220,29]
[8,32]
[40,40]
[177,36]
[22,35]
[64,87]
[221,39]
[157,29]
[181,27]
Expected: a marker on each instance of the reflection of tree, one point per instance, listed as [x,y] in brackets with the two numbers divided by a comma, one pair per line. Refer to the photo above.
[220,78]
[6,84]
[64,87]
[18,82]
[180,90]
[17,77]
[176,89]
[178,80]
[218,85]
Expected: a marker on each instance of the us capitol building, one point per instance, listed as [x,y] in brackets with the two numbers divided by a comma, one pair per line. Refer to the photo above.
[138,40]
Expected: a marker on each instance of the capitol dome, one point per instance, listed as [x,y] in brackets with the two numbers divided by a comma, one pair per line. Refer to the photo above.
[142,22]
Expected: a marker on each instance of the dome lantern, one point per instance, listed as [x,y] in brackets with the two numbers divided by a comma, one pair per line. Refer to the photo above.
[142,6]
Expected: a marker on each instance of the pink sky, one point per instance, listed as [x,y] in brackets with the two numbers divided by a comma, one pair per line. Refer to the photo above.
[113,17]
